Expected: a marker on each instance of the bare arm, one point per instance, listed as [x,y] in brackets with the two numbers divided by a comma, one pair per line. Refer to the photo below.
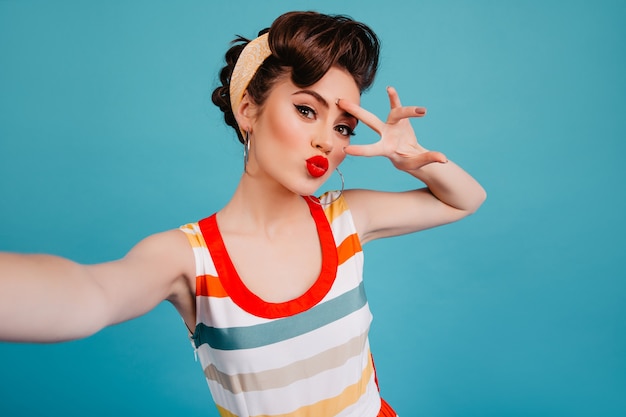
[450,193]
[46,298]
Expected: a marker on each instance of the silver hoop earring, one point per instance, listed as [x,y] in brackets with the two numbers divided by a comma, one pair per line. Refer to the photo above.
[246,150]
[316,201]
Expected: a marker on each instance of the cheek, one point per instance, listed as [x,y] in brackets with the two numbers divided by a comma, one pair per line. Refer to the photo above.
[339,156]
[284,127]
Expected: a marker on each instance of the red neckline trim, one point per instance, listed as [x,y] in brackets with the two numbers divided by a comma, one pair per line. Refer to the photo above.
[252,303]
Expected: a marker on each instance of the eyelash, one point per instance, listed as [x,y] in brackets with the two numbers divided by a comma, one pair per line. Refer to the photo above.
[303,110]
[350,131]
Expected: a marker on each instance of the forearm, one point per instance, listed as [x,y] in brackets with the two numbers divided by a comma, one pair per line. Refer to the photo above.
[452,185]
[45,298]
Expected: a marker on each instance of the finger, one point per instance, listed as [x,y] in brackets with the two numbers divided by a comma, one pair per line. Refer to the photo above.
[394,98]
[373,149]
[363,115]
[401,113]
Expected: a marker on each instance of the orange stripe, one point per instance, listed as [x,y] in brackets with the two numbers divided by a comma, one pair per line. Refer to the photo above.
[210,286]
[348,248]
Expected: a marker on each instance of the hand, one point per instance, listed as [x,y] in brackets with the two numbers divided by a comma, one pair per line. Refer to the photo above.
[397,138]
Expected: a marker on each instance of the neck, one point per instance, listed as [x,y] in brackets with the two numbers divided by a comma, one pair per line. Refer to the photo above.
[258,205]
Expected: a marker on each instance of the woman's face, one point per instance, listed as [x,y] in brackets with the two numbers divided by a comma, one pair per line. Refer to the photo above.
[298,135]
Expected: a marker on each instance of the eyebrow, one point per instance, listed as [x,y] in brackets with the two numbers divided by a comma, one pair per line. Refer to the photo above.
[315,95]
[322,101]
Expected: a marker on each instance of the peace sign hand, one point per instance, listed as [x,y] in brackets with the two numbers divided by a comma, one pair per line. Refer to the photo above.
[397,138]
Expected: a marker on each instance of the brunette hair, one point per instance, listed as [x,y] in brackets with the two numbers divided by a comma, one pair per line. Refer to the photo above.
[304,45]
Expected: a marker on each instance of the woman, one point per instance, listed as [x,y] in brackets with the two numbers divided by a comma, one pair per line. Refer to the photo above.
[270,286]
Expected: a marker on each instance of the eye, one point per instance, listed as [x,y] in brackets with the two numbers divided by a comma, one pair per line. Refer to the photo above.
[305,111]
[345,130]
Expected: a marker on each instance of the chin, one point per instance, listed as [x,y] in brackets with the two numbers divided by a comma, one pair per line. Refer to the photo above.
[313,192]
[311,189]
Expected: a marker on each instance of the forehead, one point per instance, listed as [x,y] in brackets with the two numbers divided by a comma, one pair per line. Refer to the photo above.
[336,83]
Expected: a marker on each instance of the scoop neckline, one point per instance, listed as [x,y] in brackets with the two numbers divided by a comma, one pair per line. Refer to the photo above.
[252,303]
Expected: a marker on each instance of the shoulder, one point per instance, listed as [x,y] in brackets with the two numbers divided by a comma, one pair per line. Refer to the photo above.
[169,251]
[174,239]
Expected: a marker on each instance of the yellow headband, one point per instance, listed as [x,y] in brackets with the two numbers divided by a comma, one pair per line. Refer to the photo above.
[247,65]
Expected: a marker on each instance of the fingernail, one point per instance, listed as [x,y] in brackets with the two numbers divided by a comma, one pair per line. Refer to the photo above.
[420,110]
[337,101]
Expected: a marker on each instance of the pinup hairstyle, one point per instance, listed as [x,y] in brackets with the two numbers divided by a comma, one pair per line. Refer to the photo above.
[304,45]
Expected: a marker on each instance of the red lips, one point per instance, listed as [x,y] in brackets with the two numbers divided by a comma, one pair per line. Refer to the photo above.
[317,166]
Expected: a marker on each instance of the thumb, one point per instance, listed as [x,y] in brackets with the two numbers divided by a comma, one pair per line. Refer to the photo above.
[430,157]
[422,159]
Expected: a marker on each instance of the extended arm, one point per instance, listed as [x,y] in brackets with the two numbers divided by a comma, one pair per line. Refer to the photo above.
[46,298]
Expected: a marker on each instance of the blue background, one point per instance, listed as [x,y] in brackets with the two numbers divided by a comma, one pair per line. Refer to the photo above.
[107,134]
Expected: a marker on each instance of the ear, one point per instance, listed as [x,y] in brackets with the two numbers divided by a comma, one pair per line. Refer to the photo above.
[246,113]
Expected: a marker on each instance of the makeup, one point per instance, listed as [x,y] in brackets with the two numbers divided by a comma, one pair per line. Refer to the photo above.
[317,166]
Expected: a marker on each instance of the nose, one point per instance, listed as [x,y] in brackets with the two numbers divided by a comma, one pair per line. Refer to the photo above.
[322,141]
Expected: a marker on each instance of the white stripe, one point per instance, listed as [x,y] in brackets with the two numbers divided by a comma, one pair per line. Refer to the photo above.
[342,227]
[348,277]
[204,263]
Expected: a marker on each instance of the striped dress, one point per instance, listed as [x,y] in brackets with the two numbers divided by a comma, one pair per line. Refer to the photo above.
[308,357]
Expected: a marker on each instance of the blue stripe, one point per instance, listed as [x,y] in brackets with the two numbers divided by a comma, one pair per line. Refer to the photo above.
[234,338]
